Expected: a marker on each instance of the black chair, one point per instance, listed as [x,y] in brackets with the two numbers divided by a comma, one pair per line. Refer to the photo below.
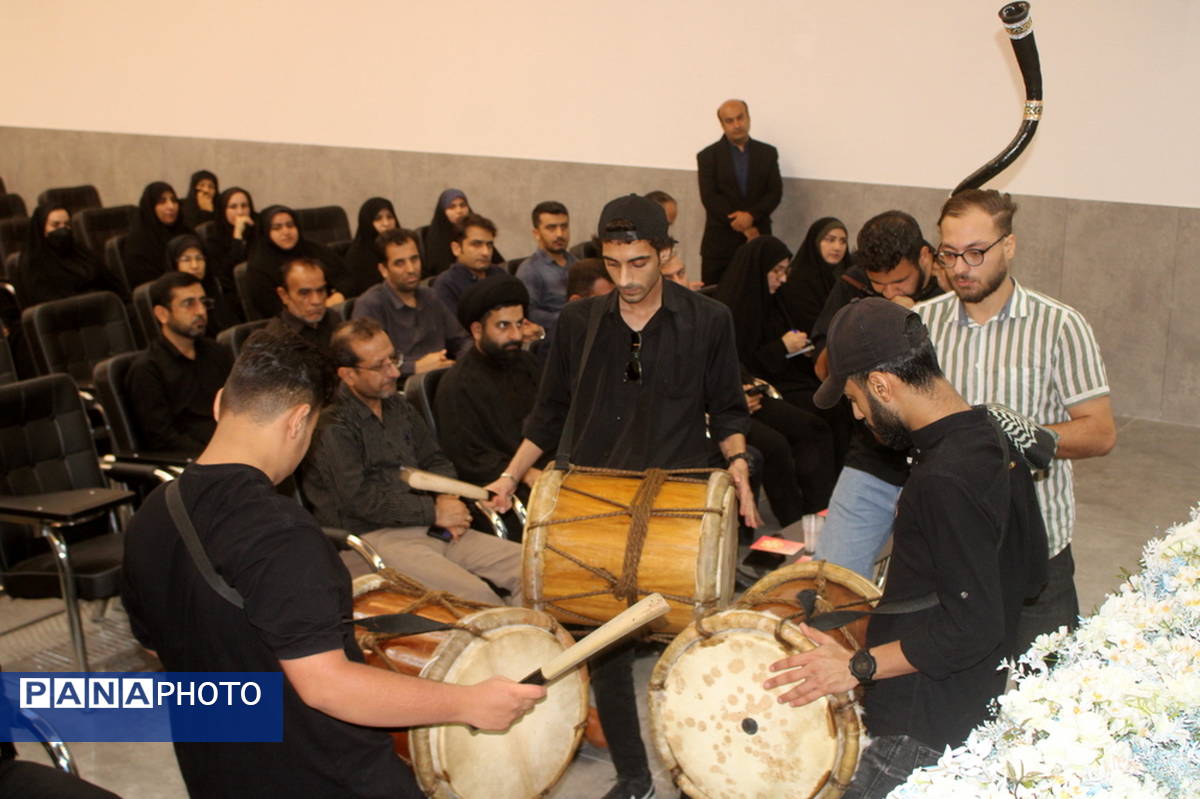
[13,233]
[8,371]
[243,291]
[143,312]
[325,224]
[205,230]
[344,309]
[52,487]
[11,205]
[513,264]
[234,337]
[114,259]
[74,334]
[95,226]
[340,248]
[585,249]
[10,265]
[73,198]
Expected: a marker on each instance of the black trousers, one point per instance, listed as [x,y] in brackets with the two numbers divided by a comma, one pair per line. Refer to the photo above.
[616,704]
[711,268]
[839,418]
[801,466]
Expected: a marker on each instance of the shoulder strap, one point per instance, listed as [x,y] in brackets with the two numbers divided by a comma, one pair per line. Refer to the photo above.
[562,460]
[195,549]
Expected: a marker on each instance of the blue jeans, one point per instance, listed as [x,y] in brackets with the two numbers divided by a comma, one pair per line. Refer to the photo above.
[886,763]
[861,512]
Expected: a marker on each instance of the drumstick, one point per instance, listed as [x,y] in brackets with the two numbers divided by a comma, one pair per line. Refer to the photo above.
[439,484]
[612,630]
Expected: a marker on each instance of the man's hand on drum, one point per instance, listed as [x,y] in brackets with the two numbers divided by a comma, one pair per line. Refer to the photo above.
[821,671]
[739,470]
[498,703]
[451,513]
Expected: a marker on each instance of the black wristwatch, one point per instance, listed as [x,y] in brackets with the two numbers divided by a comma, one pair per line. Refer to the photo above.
[862,666]
[735,456]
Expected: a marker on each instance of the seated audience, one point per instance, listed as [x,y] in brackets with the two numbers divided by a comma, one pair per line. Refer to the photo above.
[304,294]
[54,264]
[375,217]
[171,385]
[545,272]
[451,209]
[472,245]
[186,254]
[278,241]
[232,232]
[157,222]
[821,260]
[198,206]
[422,330]
[352,478]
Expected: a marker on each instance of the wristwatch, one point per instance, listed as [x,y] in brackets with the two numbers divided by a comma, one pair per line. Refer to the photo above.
[862,666]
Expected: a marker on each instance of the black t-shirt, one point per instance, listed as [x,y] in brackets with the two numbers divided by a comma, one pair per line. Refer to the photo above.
[296,593]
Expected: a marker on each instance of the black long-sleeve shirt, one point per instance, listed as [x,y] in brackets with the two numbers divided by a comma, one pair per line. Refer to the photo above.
[689,368]
[352,472]
[171,395]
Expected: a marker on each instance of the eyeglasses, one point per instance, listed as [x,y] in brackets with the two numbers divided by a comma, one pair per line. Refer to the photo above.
[190,303]
[633,369]
[393,362]
[972,256]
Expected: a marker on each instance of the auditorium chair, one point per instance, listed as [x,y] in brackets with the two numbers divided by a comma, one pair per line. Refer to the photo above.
[204,230]
[13,233]
[513,264]
[8,371]
[74,334]
[58,529]
[344,309]
[9,270]
[95,226]
[340,248]
[73,198]
[585,249]
[143,312]
[234,337]
[243,292]
[11,205]
[324,225]
[114,259]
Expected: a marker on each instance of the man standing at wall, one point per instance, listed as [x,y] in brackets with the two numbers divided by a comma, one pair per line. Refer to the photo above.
[740,187]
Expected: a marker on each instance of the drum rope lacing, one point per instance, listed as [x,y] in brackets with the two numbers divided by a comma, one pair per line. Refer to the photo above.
[640,510]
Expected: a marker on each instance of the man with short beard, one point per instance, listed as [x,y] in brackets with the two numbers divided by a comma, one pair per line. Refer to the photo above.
[171,385]
[484,398]
[545,272]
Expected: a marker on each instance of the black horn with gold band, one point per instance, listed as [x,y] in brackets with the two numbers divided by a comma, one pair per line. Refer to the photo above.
[1019,24]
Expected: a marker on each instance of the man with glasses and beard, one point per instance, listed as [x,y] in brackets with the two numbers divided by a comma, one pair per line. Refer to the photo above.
[660,358]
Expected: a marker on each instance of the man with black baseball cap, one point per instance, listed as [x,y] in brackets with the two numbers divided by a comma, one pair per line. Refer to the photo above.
[969,548]
[661,358]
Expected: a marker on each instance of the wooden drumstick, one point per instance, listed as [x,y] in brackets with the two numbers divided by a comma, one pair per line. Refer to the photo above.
[439,484]
[619,626]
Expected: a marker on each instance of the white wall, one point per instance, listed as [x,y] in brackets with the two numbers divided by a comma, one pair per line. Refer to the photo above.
[916,93]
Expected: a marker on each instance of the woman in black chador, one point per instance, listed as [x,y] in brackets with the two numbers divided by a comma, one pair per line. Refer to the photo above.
[159,220]
[54,264]
[277,241]
[362,262]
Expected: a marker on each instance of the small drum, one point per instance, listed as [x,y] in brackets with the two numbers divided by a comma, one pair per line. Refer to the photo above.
[835,588]
[596,542]
[723,735]
[455,761]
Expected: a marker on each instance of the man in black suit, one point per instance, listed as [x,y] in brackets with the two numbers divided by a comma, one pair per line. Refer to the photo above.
[740,187]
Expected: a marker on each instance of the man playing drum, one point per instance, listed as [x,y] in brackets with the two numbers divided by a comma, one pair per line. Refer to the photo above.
[969,542]
[660,359]
[275,600]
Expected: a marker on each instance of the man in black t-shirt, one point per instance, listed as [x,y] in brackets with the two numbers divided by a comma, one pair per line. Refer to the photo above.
[296,595]
[966,543]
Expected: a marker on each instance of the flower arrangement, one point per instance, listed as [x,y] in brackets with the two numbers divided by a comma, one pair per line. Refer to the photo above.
[1116,715]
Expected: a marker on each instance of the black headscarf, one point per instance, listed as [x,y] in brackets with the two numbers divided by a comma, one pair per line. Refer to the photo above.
[362,262]
[224,251]
[193,214]
[57,266]
[221,315]
[146,246]
[810,277]
[263,272]
[743,287]
[438,257]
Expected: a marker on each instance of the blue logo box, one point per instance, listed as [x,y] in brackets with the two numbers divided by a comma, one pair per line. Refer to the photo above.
[229,707]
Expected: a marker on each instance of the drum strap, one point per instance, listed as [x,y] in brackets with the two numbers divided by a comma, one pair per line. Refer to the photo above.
[562,460]
[195,549]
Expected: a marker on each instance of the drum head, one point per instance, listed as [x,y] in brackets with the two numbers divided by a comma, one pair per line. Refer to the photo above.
[835,586]
[727,736]
[527,759]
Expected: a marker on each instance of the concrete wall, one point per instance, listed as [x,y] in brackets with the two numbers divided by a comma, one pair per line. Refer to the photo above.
[1129,268]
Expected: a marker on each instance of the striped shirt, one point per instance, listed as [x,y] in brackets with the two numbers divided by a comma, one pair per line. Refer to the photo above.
[1038,357]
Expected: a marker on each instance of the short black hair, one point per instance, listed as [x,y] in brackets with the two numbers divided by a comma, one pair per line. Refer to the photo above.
[887,239]
[626,225]
[397,235]
[276,370]
[163,286]
[661,197]
[583,274]
[341,341]
[918,367]
[472,220]
[552,207]
[292,263]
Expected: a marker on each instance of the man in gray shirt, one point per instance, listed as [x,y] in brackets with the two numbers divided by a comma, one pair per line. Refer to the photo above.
[545,272]
[423,331]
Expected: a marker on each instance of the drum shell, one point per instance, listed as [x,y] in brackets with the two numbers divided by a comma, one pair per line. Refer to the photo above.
[692,558]
[452,761]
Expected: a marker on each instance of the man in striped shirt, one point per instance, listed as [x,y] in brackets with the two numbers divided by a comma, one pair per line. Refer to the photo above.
[1000,342]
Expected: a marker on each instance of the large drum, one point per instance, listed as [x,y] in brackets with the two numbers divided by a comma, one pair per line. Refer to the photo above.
[596,542]
[453,760]
[832,587]
[722,735]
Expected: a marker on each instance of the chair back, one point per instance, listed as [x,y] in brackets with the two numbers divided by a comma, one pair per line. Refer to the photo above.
[95,226]
[234,337]
[419,390]
[13,233]
[325,224]
[109,379]
[242,285]
[12,205]
[205,230]
[340,248]
[73,198]
[514,264]
[114,259]
[344,309]
[143,312]
[8,371]
[74,334]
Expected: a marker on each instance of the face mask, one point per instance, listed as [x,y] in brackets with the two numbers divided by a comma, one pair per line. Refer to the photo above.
[60,241]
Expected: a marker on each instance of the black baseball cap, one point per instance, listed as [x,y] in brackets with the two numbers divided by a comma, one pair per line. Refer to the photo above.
[863,335]
[648,218]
